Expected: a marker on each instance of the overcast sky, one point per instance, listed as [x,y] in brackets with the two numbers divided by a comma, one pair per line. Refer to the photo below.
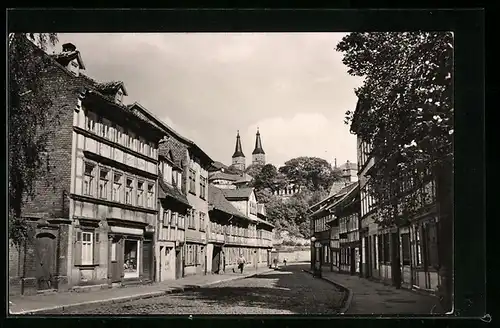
[293,86]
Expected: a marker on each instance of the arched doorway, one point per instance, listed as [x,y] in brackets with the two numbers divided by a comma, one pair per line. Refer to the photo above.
[45,260]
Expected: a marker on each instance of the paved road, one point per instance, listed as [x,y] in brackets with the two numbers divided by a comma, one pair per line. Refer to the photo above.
[288,291]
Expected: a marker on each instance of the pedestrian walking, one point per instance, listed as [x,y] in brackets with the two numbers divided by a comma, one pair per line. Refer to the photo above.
[284,261]
[241,263]
[275,263]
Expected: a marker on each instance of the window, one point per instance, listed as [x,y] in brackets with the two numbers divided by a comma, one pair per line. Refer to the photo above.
[192,181]
[140,193]
[117,186]
[151,193]
[203,187]
[87,248]
[119,96]
[431,249]
[88,179]
[129,188]
[151,149]
[119,135]
[174,178]
[103,128]
[191,216]
[130,267]
[167,216]
[89,123]
[175,219]
[202,221]
[418,246]
[103,183]
[405,248]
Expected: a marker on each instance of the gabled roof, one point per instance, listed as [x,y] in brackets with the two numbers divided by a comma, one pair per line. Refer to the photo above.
[172,192]
[167,154]
[112,86]
[216,166]
[344,194]
[219,202]
[240,193]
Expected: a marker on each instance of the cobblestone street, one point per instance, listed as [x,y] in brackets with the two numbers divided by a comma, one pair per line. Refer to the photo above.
[287,291]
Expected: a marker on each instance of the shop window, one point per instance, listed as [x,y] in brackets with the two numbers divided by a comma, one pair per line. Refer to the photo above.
[103,183]
[117,186]
[130,265]
[405,248]
[88,179]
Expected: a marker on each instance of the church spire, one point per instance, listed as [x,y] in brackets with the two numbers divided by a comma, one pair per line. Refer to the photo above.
[258,144]
[238,150]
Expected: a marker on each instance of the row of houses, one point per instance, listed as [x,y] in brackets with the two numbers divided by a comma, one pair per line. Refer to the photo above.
[350,240]
[127,199]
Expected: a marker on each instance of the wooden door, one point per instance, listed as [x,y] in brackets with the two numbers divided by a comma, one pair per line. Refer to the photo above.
[216,260]
[45,260]
[178,263]
[147,259]
[116,259]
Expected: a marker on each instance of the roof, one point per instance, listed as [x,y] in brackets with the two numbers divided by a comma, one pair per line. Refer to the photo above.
[324,203]
[112,86]
[223,176]
[344,193]
[166,190]
[349,165]
[258,145]
[219,202]
[259,220]
[238,193]
[65,57]
[216,166]
[167,154]
[192,145]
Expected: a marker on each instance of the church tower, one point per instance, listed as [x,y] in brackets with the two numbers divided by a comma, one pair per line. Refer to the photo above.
[258,154]
[238,156]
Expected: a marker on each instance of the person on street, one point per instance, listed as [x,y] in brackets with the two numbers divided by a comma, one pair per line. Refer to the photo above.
[275,263]
[241,263]
[284,261]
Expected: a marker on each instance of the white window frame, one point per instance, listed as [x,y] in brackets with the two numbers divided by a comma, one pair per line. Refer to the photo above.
[87,248]
[150,194]
[140,193]
[117,190]
[129,191]
[104,181]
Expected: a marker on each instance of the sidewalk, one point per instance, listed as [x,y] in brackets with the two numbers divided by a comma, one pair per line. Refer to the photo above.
[371,297]
[40,303]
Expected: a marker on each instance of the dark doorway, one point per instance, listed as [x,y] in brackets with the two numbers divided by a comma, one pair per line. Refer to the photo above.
[116,259]
[147,259]
[45,260]
[178,263]
[216,260]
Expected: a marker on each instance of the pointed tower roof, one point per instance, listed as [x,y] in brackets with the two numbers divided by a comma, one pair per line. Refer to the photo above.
[258,144]
[238,150]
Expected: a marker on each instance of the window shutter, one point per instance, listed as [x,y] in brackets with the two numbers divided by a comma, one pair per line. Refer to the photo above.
[97,247]
[77,254]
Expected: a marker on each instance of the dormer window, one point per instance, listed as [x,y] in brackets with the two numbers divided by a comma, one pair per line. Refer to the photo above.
[119,96]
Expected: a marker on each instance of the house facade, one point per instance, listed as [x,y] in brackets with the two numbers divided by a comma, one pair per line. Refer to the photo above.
[94,212]
[405,255]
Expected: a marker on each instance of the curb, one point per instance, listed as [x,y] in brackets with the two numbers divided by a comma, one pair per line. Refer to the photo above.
[348,294]
[122,299]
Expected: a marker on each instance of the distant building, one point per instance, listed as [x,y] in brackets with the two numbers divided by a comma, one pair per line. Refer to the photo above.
[258,154]
[238,158]
[348,174]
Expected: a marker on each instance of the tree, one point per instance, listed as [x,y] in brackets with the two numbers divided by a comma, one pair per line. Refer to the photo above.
[311,172]
[406,112]
[28,104]
[253,169]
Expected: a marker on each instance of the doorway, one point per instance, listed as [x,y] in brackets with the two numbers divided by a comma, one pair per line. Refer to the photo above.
[216,260]
[45,260]
[116,259]
[178,263]
[147,259]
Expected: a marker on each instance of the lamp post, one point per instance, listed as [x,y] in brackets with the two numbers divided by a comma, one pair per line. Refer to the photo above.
[316,258]
[313,255]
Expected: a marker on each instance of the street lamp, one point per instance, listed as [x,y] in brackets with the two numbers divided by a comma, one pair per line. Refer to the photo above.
[313,255]
[317,258]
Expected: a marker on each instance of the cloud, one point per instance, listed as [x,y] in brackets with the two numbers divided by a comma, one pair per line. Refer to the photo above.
[304,134]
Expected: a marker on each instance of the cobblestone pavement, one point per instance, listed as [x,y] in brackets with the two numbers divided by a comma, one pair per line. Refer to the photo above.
[285,291]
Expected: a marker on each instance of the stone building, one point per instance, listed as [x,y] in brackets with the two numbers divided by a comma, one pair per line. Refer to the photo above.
[238,158]
[94,212]
[258,154]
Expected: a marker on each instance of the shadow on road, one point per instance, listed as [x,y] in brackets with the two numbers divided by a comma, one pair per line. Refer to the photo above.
[288,290]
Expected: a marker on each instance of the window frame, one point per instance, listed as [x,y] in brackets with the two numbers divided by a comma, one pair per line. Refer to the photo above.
[91,178]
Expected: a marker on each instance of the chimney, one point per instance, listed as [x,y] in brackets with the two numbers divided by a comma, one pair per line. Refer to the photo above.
[68,47]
